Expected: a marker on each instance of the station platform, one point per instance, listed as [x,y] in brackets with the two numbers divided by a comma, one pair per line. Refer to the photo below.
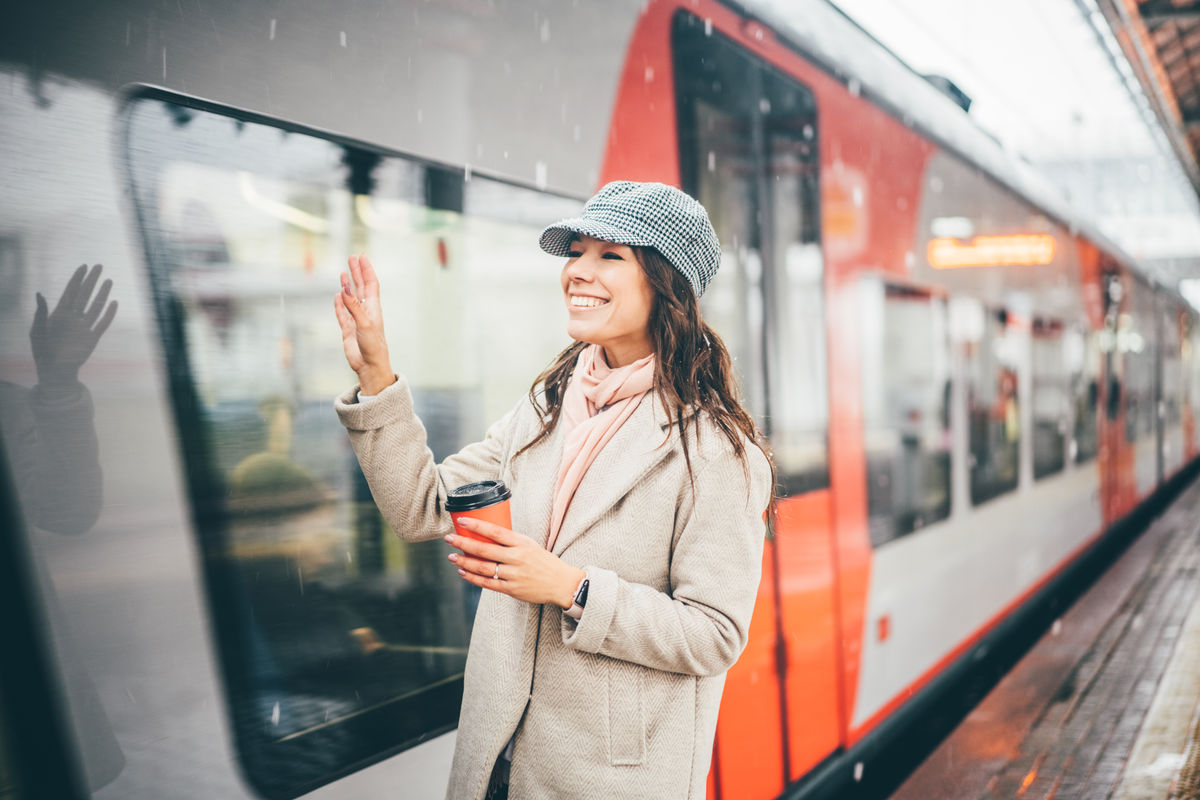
[1107,703]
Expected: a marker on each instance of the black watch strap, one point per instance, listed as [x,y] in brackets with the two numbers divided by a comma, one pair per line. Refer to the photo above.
[576,609]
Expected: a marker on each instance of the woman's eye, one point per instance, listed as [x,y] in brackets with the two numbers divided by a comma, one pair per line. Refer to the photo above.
[613,256]
[573,254]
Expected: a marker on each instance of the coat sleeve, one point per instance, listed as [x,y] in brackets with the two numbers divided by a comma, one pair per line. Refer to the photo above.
[702,625]
[409,487]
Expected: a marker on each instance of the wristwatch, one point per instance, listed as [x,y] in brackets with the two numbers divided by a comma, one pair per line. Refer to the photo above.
[576,609]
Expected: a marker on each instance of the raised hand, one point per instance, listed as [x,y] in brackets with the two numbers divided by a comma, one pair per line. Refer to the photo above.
[361,320]
[63,339]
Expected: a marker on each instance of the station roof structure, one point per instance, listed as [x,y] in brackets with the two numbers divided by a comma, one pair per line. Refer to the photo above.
[1161,41]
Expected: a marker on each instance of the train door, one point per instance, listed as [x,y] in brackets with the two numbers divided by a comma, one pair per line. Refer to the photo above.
[1115,456]
[748,150]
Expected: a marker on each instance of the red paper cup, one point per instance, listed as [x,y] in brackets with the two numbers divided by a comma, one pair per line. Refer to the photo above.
[485,500]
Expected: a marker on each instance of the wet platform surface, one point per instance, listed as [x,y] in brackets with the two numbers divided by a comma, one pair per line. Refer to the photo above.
[1105,704]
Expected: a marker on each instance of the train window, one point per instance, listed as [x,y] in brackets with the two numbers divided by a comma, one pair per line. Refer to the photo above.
[906,393]
[748,152]
[1050,403]
[1082,354]
[993,414]
[339,642]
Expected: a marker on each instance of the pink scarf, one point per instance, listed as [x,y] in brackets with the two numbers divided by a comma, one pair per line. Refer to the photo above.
[596,404]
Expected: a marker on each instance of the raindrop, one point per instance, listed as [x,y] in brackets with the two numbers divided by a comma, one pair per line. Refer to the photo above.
[708,27]
[764,105]
[1056,628]
[467,174]
[808,132]
[936,185]
[758,34]
[342,36]
[545,32]
[855,87]
[506,155]
[164,63]
[539,171]
[275,714]
[649,74]
[712,161]
[858,771]
[909,259]
[272,34]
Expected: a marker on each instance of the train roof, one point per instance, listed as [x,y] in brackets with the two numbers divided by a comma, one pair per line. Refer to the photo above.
[828,37]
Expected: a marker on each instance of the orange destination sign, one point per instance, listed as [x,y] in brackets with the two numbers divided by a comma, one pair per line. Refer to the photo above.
[1018,250]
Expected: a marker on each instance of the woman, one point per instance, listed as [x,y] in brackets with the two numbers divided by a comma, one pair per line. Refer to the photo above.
[623,595]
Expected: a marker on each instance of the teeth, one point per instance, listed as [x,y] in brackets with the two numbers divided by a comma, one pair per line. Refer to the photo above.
[586,302]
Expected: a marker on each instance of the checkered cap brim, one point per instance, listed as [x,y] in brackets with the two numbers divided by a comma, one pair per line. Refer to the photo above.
[646,215]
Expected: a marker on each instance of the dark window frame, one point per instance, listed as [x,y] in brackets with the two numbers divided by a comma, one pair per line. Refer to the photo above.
[762,77]
[276,768]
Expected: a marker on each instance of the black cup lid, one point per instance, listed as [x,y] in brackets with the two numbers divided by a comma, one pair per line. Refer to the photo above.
[477,495]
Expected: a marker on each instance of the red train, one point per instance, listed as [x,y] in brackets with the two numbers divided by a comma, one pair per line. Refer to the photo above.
[965,386]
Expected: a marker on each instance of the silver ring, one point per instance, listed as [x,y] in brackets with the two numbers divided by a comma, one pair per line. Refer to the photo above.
[496,577]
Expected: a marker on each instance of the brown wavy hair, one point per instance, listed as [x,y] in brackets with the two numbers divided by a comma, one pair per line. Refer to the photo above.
[692,367]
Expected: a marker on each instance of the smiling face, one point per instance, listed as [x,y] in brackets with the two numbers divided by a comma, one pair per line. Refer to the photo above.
[608,299]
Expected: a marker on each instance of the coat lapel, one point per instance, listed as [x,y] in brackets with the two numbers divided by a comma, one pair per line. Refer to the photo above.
[639,445]
[538,495]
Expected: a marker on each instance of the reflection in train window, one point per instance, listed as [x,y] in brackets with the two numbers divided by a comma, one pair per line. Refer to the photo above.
[1081,349]
[748,152]
[989,347]
[906,393]
[1050,397]
[339,642]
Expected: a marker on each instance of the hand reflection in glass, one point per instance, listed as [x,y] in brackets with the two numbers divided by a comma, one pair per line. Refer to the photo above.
[49,433]
[64,338]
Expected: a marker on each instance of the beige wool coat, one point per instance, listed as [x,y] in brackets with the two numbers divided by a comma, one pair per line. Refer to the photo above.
[624,702]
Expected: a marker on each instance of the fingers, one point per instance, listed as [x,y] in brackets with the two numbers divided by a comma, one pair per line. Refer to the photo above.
[67,300]
[483,550]
[370,281]
[356,273]
[98,304]
[491,530]
[476,565]
[354,306]
[40,314]
[344,318]
[106,320]
[79,301]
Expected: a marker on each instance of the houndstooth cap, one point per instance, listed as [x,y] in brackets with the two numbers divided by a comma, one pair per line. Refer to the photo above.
[647,215]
